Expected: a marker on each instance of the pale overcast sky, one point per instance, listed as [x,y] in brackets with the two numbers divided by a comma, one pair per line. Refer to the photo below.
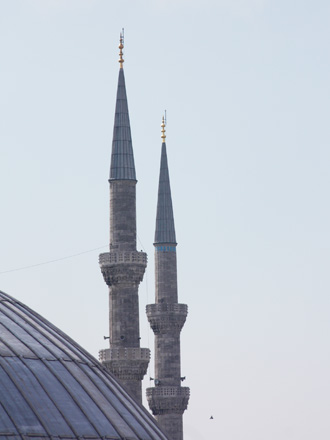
[246,88]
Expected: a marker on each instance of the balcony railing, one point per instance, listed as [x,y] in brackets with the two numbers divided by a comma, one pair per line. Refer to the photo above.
[117,257]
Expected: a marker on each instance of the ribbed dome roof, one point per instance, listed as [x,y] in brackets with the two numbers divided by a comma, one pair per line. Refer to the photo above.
[51,387]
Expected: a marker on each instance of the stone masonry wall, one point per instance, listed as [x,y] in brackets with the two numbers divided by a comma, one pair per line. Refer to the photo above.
[122,215]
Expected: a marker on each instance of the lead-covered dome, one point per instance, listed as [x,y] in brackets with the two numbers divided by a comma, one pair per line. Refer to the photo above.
[50,387]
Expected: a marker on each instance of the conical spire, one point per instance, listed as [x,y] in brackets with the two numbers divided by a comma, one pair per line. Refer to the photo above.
[165,231]
[122,159]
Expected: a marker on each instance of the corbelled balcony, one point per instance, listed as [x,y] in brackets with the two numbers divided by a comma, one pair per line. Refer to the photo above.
[166,317]
[123,267]
[168,400]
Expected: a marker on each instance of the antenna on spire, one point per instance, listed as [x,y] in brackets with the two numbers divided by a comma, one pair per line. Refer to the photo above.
[121,46]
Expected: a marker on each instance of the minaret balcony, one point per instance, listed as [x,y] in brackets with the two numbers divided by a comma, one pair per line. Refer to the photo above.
[123,266]
[168,400]
[167,317]
[126,363]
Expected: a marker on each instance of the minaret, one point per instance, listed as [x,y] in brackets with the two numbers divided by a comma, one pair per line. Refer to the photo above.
[167,399]
[123,267]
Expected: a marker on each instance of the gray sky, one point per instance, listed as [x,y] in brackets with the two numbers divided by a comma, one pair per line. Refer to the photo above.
[246,88]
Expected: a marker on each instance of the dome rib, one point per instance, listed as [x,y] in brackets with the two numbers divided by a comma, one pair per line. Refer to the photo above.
[147,420]
[125,432]
[129,403]
[53,335]
[41,387]
[60,390]
[93,365]
[7,427]
[61,382]
[8,371]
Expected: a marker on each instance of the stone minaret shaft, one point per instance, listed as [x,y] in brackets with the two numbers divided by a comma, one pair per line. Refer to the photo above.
[123,267]
[167,400]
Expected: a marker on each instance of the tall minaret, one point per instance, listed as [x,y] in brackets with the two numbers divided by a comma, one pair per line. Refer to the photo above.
[123,267]
[167,399]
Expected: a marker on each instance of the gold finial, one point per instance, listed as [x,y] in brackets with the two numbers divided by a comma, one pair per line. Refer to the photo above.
[163,136]
[121,46]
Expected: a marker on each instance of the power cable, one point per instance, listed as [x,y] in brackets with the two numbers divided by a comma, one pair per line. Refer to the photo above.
[52,261]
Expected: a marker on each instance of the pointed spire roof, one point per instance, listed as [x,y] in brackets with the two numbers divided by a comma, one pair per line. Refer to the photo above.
[165,230]
[122,159]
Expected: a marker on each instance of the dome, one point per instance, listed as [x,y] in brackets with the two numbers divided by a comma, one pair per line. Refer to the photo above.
[50,387]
